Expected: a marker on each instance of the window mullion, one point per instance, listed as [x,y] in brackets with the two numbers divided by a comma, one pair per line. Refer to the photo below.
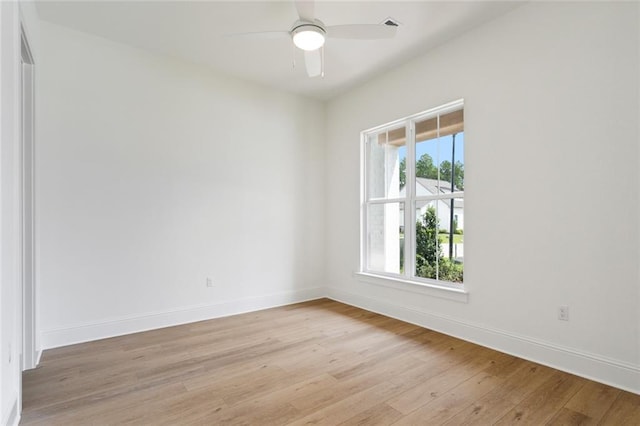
[438,254]
[446,196]
[410,205]
[364,198]
[386,200]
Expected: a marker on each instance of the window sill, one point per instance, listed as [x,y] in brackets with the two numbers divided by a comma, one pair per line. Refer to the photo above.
[449,293]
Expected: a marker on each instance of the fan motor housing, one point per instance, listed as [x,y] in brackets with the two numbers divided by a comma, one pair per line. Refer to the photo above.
[309,26]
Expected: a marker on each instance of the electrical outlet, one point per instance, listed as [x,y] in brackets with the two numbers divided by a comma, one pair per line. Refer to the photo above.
[209,282]
[563,313]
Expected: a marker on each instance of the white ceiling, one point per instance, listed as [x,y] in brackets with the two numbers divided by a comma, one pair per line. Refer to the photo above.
[196,31]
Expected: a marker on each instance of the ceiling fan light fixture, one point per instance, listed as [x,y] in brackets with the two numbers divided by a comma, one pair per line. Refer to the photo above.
[308,37]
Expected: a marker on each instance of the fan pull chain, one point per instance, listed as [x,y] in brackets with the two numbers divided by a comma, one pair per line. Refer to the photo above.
[322,61]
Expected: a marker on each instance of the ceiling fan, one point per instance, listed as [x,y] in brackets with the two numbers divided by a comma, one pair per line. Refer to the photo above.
[309,33]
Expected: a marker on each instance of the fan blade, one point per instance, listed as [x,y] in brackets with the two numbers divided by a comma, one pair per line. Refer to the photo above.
[361,31]
[313,62]
[306,9]
[261,34]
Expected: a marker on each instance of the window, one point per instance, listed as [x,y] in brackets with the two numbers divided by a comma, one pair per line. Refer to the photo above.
[413,198]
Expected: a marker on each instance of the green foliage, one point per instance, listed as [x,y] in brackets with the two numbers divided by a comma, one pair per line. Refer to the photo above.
[445,170]
[401,250]
[458,174]
[449,270]
[428,252]
[425,168]
[427,241]
[424,269]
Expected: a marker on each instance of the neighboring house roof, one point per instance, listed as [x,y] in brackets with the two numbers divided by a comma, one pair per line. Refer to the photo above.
[431,185]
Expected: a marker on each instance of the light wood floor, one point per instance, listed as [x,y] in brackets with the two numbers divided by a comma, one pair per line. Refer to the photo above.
[318,362]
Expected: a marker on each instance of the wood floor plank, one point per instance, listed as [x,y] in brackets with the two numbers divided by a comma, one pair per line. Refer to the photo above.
[248,385]
[593,400]
[545,402]
[520,378]
[380,414]
[342,410]
[319,362]
[625,410]
[567,417]
[441,408]
[342,389]
[298,390]
[429,390]
[129,407]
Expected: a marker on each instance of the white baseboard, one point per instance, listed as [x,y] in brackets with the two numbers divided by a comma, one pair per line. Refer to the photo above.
[594,367]
[149,321]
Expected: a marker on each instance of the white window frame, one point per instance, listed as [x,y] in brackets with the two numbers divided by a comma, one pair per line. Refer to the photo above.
[409,200]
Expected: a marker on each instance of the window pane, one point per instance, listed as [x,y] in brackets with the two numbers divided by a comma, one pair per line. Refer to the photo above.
[386,164]
[452,152]
[439,144]
[384,238]
[426,156]
[428,247]
[451,235]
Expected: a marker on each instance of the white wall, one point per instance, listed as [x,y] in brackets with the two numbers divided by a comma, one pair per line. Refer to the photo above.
[154,174]
[551,126]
